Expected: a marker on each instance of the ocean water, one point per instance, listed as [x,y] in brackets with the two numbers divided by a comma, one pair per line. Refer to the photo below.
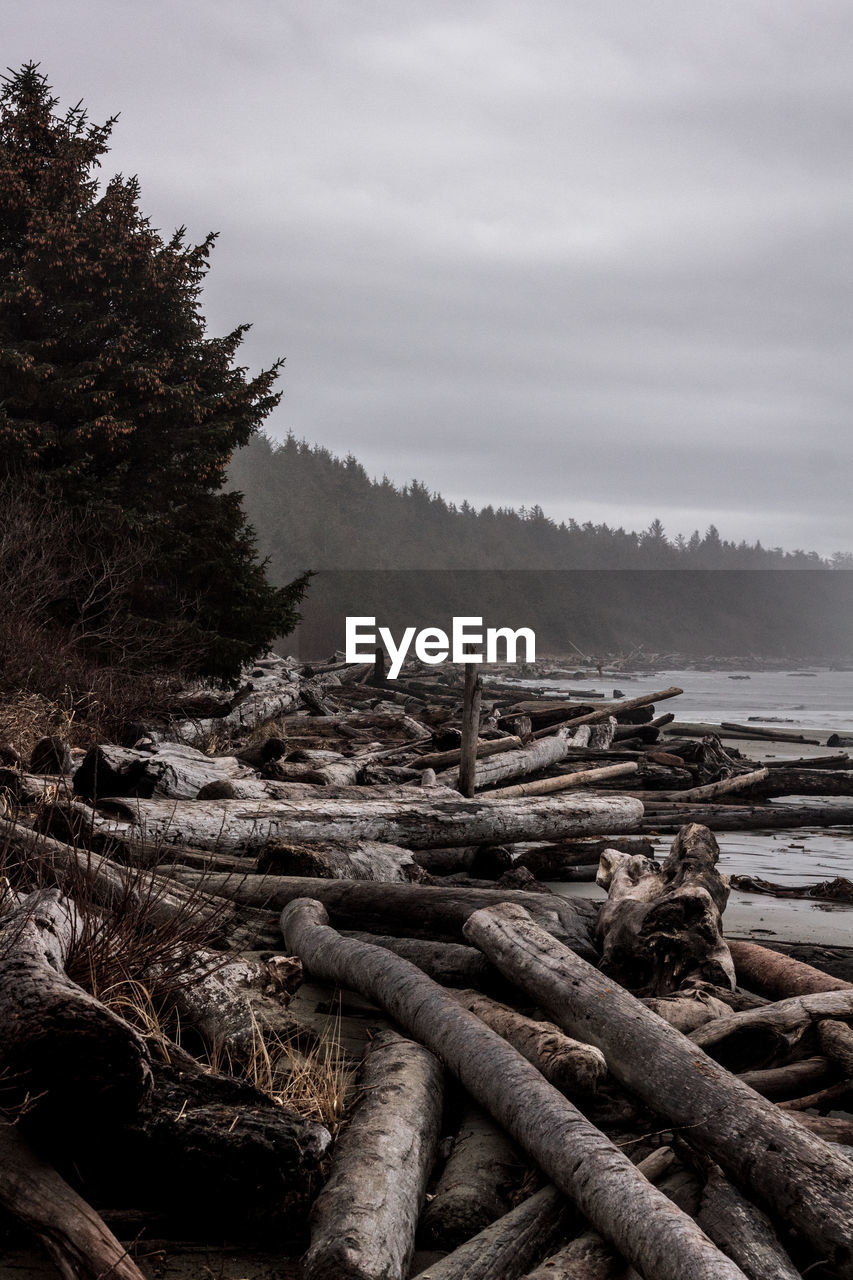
[821,702]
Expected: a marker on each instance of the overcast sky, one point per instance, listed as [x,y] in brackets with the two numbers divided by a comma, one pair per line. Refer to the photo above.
[591,255]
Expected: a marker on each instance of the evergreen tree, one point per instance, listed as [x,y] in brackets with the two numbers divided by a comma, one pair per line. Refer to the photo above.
[111,389]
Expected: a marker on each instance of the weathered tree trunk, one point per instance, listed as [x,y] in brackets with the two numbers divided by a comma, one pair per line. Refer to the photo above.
[570,1066]
[739,782]
[487,861]
[518,1240]
[364,1219]
[171,770]
[548,861]
[363,860]
[450,963]
[588,1257]
[755,1142]
[777,976]
[485,747]
[404,910]
[233,826]
[790,781]
[73,1235]
[516,764]
[77,1061]
[731,817]
[607,1188]
[662,927]
[218,1147]
[222,998]
[836,1040]
[476,1184]
[790,1080]
[766,1036]
[274,689]
[466,780]
[688,1010]
[839,889]
[568,781]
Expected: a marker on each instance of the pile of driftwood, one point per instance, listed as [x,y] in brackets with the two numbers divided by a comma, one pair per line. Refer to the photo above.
[548,1086]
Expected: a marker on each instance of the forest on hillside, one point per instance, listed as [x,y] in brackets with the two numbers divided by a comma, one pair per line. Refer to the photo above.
[409,557]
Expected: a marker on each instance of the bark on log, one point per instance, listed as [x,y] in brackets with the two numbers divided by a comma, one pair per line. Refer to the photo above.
[245,826]
[494,769]
[518,1240]
[661,927]
[730,817]
[77,1061]
[73,1235]
[172,771]
[405,910]
[607,1188]
[476,1184]
[790,1080]
[363,860]
[756,1143]
[568,781]
[485,747]
[450,963]
[220,1148]
[766,1036]
[363,1221]
[836,1041]
[742,1230]
[779,976]
[570,1065]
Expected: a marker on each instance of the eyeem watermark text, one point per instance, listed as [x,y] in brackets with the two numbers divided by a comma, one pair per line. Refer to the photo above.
[433,645]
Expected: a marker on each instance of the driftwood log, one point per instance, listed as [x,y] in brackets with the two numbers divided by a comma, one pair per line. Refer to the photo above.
[757,1144]
[243,826]
[778,976]
[360,860]
[617,1200]
[518,1240]
[743,1230]
[450,963]
[496,768]
[570,1066]
[172,771]
[476,1184]
[762,1037]
[73,1235]
[364,1220]
[662,926]
[733,817]
[76,1061]
[404,910]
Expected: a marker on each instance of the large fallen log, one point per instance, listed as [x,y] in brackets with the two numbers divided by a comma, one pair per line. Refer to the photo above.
[568,781]
[476,1184]
[404,910]
[661,926]
[446,759]
[731,817]
[778,976]
[759,1146]
[450,963]
[805,782]
[273,688]
[518,1240]
[533,758]
[171,770]
[75,1062]
[72,1234]
[570,1065]
[762,1037]
[245,826]
[742,1230]
[362,860]
[230,1156]
[618,1201]
[839,889]
[364,1220]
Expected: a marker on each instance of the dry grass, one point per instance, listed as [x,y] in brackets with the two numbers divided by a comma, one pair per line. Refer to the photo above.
[313,1082]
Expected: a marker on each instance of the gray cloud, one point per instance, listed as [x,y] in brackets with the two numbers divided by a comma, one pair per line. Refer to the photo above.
[592,257]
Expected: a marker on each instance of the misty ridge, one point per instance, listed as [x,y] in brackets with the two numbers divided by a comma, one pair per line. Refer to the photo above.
[407,556]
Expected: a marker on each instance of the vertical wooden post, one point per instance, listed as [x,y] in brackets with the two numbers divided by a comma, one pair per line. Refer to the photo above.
[470,729]
[379,680]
